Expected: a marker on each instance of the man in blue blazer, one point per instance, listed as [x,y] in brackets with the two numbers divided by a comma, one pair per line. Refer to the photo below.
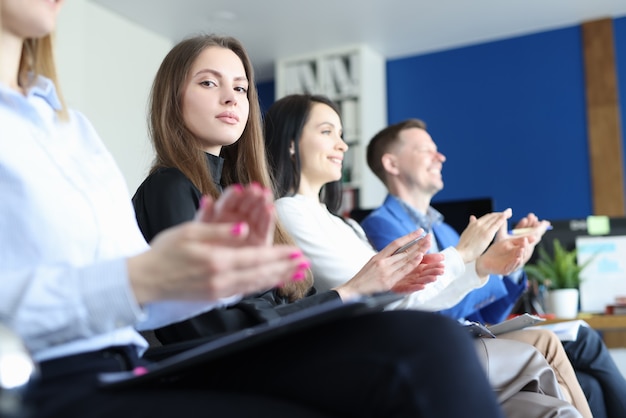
[488,304]
[406,160]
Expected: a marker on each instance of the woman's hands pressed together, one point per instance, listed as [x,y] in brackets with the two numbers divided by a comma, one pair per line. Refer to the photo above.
[250,207]
[223,252]
[401,272]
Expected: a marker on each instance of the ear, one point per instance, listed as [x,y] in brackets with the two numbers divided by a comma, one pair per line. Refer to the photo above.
[390,164]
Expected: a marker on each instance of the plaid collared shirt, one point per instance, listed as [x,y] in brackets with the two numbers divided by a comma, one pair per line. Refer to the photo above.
[426,221]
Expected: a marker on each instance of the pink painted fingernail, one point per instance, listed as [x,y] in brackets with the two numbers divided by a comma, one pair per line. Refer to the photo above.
[238,187]
[237,229]
[203,201]
[298,276]
[295,254]
[304,265]
[140,370]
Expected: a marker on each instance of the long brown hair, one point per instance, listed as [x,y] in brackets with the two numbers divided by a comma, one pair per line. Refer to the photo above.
[176,146]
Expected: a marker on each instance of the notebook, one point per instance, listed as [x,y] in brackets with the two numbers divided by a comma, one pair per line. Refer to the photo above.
[197,352]
[514,324]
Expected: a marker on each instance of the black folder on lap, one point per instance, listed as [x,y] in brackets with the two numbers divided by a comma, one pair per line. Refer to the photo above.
[196,352]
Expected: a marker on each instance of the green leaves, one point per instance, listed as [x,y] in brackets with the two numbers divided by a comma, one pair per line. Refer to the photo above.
[560,271]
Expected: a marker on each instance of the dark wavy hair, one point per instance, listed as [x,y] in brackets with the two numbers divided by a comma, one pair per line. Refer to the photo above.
[284,122]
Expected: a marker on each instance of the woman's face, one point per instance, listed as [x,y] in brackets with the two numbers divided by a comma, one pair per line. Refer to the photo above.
[29,18]
[215,99]
[321,148]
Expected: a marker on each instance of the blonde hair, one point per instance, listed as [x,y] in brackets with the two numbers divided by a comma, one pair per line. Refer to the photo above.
[38,59]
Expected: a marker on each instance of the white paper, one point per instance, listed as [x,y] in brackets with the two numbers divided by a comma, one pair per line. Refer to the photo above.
[566,331]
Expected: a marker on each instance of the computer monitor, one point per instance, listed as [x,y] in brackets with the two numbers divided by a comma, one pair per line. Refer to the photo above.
[606,280]
[456,213]
[567,230]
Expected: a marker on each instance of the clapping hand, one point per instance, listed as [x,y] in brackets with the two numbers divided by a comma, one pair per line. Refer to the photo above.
[225,251]
[250,208]
[480,233]
[505,256]
[384,270]
[426,272]
[535,229]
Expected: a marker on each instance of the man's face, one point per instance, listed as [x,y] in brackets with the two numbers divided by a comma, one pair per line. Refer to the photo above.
[418,161]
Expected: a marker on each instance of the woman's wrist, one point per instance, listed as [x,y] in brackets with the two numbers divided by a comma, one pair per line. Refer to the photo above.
[346,292]
[141,278]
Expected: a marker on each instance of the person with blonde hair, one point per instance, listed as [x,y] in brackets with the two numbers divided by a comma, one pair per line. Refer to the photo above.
[77,278]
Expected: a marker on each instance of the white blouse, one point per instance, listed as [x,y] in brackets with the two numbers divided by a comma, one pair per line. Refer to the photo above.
[337,253]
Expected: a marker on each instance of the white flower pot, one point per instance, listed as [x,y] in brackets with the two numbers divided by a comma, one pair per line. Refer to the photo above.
[563,303]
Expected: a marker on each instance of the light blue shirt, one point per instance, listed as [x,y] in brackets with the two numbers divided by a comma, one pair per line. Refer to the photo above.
[67,227]
[424,221]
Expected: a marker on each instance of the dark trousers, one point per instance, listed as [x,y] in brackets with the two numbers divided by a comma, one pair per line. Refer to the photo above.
[599,376]
[391,364]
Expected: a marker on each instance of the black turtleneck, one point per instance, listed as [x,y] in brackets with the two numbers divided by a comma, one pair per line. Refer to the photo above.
[167,198]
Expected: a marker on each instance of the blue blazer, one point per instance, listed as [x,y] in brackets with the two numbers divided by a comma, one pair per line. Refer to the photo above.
[490,304]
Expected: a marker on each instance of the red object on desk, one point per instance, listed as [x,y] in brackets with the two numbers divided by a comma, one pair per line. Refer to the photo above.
[618,309]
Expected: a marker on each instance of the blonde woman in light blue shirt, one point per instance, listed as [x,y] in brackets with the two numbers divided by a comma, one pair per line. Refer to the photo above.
[77,278]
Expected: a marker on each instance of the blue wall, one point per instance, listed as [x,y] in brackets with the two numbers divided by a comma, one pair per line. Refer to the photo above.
[510,117]
[266,94]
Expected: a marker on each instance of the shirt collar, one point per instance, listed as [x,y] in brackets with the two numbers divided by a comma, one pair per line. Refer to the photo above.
[426,220]
[40,87]
[216,165]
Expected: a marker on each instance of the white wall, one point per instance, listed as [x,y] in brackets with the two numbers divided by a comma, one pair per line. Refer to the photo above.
[106,67]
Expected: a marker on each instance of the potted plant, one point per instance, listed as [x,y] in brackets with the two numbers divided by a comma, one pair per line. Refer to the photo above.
[560,274]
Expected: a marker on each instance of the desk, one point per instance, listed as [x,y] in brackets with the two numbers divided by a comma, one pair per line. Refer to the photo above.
[612,327]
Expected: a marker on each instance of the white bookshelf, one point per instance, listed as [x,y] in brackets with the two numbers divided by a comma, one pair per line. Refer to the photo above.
[354,78]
